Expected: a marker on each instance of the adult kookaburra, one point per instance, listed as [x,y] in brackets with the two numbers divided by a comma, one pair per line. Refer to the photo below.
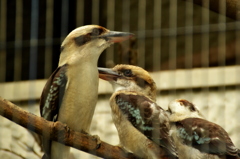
[143,126]
[195,137]
[71,92]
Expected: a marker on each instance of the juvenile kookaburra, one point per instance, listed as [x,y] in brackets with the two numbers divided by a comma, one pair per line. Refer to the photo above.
[195,137]
[71,92]
[143,126]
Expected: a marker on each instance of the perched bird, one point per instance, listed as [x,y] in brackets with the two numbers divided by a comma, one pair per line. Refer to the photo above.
[71,92]
[195,137]
[143,126]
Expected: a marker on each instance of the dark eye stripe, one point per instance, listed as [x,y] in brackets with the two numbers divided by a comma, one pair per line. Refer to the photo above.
[141,82]
[83,39]
[188,104]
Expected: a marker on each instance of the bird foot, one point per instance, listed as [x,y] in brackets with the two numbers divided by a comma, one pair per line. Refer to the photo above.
[66,127]
[97,138]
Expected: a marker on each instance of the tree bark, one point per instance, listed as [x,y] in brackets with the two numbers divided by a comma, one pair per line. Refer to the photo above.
[61,133]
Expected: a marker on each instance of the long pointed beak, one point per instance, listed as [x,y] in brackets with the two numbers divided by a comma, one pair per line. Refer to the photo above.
[115,36]
[108,74]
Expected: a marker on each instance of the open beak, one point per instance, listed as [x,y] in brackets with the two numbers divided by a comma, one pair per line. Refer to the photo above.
[108,74]
[115,36]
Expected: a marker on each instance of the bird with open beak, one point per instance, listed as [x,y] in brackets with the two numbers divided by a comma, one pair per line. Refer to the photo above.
[143,126]
[71,92]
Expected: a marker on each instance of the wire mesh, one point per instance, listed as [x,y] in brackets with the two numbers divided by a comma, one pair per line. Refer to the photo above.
[170,35]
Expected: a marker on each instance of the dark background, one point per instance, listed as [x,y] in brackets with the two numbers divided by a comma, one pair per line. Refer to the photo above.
[221,34]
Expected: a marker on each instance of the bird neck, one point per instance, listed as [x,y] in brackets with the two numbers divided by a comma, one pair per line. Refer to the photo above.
[80,56]
[146,92]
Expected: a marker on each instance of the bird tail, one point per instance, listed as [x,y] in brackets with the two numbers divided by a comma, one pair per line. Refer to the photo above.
[172,155]
[236,155]
[170,148]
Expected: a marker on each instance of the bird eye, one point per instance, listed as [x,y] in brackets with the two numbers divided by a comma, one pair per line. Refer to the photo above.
[97,31]
[127,73]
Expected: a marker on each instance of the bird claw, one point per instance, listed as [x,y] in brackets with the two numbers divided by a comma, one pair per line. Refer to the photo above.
[67,128]
[97,138]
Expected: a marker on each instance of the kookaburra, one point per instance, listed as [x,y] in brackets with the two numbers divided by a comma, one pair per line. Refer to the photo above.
[143,126]
[196,137]
[71,92]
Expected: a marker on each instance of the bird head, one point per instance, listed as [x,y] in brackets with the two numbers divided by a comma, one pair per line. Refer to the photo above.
[129,78]
[184,109]
[89,42]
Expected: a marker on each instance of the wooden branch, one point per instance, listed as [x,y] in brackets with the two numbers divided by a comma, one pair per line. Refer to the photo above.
[61,133]
[232,7]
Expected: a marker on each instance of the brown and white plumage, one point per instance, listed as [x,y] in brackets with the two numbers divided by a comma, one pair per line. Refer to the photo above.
[129,78]
[143,126]
[71,92]
[198,137]
[181,109]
